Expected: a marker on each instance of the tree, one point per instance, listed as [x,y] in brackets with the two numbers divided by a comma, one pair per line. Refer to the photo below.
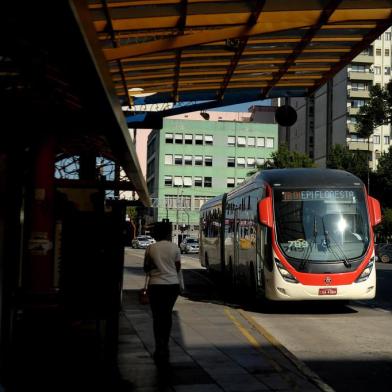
[384,229]
[284,158]
[354,161]
[383,179]
[375,113]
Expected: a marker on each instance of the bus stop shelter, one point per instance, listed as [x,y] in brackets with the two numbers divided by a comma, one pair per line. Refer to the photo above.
[76,75]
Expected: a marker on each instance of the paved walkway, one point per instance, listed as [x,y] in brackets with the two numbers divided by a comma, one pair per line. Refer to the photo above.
[213,348]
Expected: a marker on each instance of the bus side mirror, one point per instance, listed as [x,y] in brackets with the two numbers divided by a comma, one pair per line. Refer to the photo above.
[374,211]
[265,211]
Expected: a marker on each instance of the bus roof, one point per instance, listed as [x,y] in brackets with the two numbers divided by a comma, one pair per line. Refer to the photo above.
[212,202]
[300,178]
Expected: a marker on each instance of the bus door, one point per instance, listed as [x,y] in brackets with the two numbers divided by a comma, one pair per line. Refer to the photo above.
[236,250]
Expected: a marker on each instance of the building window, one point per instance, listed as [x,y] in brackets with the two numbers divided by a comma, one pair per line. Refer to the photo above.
[207,182]
[387,70]
[177,181]
[198,181]
[250,162]
[240,162]
[187,181]
[378,52]
[359,86]
[230,183]
[209,140]
[169,138]
[251,141]
[260,142]
[230,162]
[168,159]
[200,200]
[357,103]
[387,36]
[377,70]
[386,52]
[270,142]
[231,140]
[188,139]
[188,160]
[199,140]
[196,227]
[240,180]
[359,68]
[260,161]
[207,161]
[241,141]
[178,138]
[376,139]
[386,139]
[178,159]
[168,181]
[198,160]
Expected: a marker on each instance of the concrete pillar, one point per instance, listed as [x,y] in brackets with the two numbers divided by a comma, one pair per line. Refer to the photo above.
[40,244]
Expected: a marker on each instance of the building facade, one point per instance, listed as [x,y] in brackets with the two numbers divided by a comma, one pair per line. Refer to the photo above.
[328,117]
[190,161]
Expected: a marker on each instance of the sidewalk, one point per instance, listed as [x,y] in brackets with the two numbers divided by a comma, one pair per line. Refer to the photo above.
[213,348]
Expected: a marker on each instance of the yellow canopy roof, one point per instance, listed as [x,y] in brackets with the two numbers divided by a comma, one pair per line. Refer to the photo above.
[228,51]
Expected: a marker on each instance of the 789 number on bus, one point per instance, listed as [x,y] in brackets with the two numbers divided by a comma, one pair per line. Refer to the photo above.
[298,245]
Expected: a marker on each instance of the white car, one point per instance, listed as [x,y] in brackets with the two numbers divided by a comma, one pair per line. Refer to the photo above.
[189,245]
[142,241]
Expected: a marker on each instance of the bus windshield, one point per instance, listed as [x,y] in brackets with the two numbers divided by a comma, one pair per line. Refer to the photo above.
[321,225]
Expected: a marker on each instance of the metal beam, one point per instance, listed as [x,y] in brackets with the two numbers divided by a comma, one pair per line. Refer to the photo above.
[325,16]
[273,23]
[253,19]
[118,134]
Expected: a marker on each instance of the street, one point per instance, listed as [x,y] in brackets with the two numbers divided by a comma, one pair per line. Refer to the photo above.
[348,346]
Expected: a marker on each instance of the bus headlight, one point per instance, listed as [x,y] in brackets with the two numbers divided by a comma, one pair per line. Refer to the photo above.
[285,274]
[366,272]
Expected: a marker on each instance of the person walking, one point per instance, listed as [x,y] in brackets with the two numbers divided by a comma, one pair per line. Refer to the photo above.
[162,261]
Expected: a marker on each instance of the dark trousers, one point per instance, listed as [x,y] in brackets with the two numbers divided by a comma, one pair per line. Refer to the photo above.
[162,300]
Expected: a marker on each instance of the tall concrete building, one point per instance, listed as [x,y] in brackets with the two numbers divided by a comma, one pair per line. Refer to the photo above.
[328,117]
[191,160]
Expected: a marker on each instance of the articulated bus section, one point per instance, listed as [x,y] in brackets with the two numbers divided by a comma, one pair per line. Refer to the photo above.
[293,234]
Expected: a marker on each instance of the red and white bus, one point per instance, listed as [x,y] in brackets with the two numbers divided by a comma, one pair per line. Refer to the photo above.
[294,234]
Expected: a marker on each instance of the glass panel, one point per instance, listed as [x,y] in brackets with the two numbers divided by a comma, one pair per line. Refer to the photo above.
[178,181]
[187,181]
[241,141]
[168,159]
[187,159]
[321,224]
[270,142]
[260,142]
[231,140]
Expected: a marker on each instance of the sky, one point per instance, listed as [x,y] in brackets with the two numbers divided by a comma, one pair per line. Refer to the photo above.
[242,107]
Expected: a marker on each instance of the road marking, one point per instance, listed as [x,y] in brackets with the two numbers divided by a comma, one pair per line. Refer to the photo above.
[253,341]
[301,366]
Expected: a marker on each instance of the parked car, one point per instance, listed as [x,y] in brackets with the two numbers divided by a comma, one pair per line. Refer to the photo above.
[383,252]
[142,241]
[189,245]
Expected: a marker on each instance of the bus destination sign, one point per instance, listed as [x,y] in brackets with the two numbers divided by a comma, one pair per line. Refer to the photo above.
[315,195]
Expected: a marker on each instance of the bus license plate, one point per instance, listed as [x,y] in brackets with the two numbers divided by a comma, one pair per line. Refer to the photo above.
[328,291]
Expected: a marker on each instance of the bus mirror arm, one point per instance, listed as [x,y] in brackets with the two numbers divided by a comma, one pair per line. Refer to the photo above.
[374,211]
[265,211]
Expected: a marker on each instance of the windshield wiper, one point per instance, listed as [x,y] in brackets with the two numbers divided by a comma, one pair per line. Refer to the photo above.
[347,264]
[307,256]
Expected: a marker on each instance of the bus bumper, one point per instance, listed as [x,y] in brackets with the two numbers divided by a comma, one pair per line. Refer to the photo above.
[277,289]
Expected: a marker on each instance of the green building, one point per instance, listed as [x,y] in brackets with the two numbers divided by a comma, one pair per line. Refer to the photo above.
[190,161]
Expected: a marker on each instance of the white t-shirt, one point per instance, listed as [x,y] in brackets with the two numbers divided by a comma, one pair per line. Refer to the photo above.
[164,255]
